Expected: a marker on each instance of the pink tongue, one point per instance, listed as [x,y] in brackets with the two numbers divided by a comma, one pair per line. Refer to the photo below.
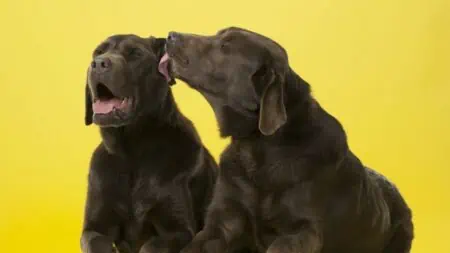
[104,107]
[163,67]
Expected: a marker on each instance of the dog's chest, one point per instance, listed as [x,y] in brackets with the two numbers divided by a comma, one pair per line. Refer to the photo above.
[271,167]
[147,190]
[144,196]
[280,178]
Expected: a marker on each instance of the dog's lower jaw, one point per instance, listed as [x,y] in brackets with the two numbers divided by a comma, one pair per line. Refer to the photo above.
[115,119]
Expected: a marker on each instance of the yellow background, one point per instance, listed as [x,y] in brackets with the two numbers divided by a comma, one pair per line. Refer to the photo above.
[381,67]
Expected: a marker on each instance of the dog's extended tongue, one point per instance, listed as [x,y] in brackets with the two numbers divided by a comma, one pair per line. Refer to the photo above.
[104,107]
[163,67]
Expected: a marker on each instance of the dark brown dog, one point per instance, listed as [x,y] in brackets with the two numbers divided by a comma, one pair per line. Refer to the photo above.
[288,182]
[151,178]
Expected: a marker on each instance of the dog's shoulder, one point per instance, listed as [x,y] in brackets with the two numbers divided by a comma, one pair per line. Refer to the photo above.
[101,158]
[238,159]
[104,165]
[231,152]
[174,151]
[187,127]
[205,161]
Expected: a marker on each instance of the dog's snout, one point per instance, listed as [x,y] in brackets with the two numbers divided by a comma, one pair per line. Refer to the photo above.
[101,64]
[174,37]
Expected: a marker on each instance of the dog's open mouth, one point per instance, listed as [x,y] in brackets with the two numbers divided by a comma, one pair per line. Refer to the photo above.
[106,102]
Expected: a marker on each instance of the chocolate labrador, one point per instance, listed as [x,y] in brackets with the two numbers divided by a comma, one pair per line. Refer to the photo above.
[150,179]
[288,182]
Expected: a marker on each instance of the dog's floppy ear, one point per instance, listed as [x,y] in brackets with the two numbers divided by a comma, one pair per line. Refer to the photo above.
[272,111]
[88,109]
[158,46]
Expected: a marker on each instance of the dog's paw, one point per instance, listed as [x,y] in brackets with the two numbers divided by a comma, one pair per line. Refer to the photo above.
[193,248]
[214,246]
[296,243]
[284,244]
[154,246]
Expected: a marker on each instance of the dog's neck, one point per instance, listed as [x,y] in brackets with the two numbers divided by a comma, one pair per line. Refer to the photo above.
[301,108]
[126,140]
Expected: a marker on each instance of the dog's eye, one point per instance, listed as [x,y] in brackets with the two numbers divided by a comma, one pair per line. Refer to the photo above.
[135,52]
[98,52]
[225,47]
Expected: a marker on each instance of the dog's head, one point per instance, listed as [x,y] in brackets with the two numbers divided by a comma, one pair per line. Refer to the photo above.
[123,82]
[236,68]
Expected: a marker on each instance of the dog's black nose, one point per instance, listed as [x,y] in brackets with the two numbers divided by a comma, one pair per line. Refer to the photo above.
[101,64]
[174,37]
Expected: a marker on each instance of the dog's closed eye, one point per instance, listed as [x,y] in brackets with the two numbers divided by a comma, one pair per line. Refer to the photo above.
[98,52]
[135,52]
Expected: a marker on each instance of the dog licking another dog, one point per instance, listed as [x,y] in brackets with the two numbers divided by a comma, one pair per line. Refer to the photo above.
[287,183]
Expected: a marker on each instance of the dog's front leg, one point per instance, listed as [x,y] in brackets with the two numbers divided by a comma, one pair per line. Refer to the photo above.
[205,242]
[228,223]
[105,203]
[174,229]
[171,243]
[94,242]
[307,240]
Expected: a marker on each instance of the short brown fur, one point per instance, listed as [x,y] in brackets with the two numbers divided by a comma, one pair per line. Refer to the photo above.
[288,182]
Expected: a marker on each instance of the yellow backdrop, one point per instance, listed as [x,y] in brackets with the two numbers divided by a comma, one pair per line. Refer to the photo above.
[382,67]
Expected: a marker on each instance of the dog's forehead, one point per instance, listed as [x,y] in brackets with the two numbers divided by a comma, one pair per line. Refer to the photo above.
[232,33]
[229,29]
[243,35]
[125,40]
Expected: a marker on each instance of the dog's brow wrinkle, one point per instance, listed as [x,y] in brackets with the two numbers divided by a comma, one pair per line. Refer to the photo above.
[111,43]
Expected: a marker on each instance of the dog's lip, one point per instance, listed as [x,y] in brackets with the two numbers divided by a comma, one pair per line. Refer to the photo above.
[174,56]
[198,87]
[107,106]
[179,59]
